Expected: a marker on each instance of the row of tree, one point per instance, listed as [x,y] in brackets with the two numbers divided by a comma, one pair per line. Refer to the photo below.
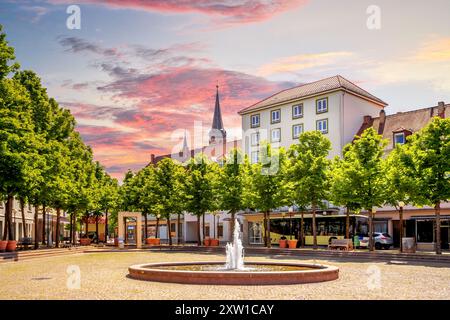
[362,179]
[43,161]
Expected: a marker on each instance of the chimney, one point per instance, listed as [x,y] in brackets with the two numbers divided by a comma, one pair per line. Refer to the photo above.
[441,109]
[152,158]
[382,121]
[367,119]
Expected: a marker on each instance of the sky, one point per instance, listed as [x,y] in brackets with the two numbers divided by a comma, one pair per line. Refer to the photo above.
[138,73]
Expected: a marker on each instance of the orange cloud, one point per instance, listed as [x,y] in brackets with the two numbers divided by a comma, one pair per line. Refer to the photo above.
[234,11]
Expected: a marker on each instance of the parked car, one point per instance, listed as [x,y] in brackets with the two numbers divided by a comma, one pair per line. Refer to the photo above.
[382,241]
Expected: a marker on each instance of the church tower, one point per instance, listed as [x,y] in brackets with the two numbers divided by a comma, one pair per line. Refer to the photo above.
[217,132]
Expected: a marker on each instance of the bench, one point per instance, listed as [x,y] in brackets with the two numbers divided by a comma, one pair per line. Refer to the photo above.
[24,242]
[341,244]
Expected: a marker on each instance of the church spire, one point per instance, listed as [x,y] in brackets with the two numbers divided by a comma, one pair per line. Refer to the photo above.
[217,130]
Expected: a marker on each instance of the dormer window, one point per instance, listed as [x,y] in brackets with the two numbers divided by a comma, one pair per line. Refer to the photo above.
[399,138]
[399,135]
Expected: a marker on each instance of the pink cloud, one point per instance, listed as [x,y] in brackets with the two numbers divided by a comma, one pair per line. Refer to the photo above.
[235,11]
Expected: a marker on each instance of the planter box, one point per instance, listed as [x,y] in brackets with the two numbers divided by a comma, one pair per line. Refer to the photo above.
[207,242]
[214,242]
[11,245]
[153,241]
[85,241]
[3,244]
[292,244]
[282,243]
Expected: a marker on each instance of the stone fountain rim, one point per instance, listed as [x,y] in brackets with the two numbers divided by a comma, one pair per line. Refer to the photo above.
[316,268]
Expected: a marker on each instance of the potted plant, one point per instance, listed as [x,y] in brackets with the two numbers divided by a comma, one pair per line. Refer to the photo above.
[85,240]
[3,244]
[282,242]
[11,245]
[292,244]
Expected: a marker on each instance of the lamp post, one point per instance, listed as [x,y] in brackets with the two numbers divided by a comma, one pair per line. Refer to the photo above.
[158,216]
[401,204]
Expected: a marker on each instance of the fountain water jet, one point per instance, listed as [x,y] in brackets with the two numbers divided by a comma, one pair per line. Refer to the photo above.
[235,250]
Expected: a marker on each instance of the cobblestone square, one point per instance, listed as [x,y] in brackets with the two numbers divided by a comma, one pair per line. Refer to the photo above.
[104,276]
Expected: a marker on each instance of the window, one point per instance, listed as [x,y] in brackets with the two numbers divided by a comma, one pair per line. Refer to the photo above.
[297,130]
[255,156]
[275,135]
[254,121]
[255,139]
[207,234]
[297,111]
[275,116]
[322,125]
[399,138]
[322,105]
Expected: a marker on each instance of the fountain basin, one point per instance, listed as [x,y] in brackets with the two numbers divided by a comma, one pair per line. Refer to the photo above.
[256,273]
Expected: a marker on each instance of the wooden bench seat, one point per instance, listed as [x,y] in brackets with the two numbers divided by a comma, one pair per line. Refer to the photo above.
[341,244]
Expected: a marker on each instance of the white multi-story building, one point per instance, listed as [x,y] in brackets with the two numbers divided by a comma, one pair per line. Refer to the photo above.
[335,106]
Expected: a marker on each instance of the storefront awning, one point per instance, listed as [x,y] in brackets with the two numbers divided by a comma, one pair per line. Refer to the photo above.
[447,217]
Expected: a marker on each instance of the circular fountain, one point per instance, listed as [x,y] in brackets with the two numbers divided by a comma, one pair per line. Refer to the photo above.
[234,272]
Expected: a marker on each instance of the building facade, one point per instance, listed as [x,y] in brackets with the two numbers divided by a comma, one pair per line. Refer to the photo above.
[334,106]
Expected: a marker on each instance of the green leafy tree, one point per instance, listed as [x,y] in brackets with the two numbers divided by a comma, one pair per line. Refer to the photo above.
[232,183]
[342,191]
[200,187]
[365,155]
[269,189]
[400,183]
[430,154]
[168,190]
[308,172]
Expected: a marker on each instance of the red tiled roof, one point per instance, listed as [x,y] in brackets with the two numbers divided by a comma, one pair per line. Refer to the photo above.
[312,89]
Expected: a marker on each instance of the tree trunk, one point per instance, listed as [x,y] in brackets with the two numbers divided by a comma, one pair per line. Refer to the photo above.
[314,228]
[199,241]
[232,225]
[265,228]
[58,218]
[371,246]
[86,226]
[36,212]
[437,210]
[5,227]
[96,229]
[157,227]
[8,234]
[145,225]
[43,224]
[203,226]
[169,234]
[347,224]
[178,229]
[11,232]
[302,233]
[401,227]
[24,222]
[269,240]
[106,227]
